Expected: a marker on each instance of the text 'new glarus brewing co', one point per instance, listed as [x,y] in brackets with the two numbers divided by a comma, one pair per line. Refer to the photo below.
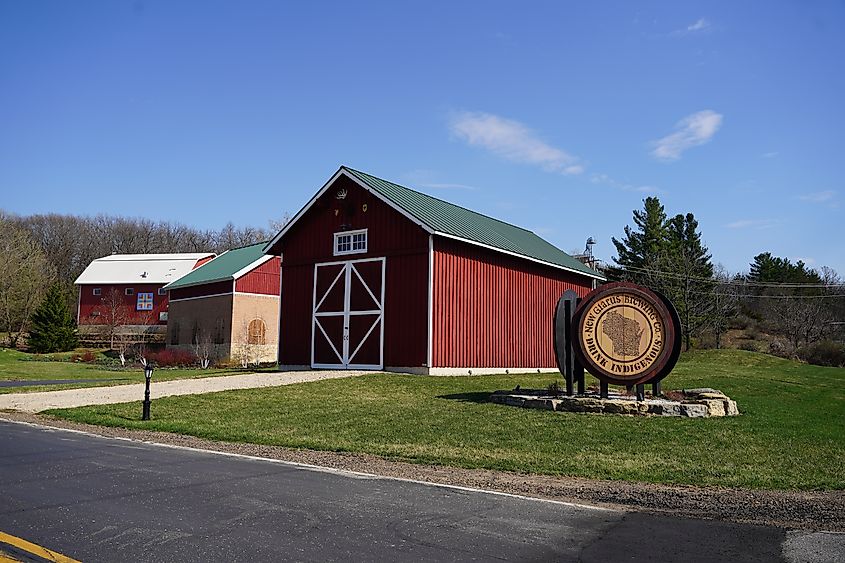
[625,333]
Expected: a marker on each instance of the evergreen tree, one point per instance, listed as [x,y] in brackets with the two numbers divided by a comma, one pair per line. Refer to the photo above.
[640,249]
[53,328]
[774,269]
[687,275]
[667,255]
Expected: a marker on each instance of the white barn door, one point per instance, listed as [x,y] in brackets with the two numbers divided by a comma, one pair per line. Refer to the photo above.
[347,329]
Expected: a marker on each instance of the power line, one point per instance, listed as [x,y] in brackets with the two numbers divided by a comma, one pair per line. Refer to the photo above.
[740,283]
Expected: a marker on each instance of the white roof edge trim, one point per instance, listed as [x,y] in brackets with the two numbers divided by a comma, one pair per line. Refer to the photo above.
[249,267]
[341,172]
[218,280]
[523,256]
[302,211]
[195,269]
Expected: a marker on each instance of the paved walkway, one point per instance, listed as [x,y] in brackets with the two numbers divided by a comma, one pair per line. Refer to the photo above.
[67,398]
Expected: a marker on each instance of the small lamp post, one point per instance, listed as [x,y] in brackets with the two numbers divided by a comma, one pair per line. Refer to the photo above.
[148,375]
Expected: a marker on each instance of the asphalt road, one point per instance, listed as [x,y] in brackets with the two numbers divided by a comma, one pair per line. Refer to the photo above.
[105,499]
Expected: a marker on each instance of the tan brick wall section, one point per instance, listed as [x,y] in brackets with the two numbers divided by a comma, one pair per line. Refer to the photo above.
[248,308]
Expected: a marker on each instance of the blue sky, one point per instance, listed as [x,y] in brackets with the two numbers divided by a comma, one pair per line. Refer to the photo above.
[559,117]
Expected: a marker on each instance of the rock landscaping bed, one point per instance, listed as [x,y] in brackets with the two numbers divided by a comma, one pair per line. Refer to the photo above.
[691,403]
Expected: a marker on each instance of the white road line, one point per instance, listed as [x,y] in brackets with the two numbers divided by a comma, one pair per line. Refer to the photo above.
[319,468]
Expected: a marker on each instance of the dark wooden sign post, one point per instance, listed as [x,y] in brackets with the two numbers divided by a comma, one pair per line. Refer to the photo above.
[622,333]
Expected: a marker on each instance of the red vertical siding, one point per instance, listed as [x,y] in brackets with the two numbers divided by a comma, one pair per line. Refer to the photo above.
[406,310]
[90,304]
[295,320]
[493,310]
[264,279]
[391,235]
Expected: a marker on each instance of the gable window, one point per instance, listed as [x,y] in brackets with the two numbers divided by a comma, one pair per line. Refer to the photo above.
[129,291]
[162,291]
[98,291]
[350,242]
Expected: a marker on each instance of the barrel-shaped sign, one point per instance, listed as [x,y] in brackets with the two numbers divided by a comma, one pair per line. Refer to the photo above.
[625,334]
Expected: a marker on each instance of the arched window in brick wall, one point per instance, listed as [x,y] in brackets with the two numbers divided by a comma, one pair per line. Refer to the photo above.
[257,332]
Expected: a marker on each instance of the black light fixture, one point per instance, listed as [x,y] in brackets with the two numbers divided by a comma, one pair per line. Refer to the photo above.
[148,375]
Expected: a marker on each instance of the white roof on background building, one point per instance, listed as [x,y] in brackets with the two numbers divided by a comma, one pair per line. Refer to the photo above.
[140,268]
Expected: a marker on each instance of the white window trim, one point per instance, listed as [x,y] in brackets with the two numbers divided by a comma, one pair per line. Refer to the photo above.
[351,249]
[97,291]
[129,291]
[162,291]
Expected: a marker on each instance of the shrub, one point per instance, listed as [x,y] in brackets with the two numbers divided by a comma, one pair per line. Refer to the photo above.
[824,353]
[554,389]
[740,322]
[752,333]
[172,357]
[780,348]
[749,346]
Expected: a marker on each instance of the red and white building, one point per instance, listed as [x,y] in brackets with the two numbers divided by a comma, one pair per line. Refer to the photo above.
[133,282]
[379,276]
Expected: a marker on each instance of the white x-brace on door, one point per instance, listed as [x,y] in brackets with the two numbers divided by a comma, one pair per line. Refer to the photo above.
[347,329]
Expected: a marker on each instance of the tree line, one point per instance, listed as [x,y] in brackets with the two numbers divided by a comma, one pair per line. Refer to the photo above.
[45,250]
[803,306]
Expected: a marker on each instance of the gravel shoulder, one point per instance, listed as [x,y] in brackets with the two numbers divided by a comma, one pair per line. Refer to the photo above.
[814,510]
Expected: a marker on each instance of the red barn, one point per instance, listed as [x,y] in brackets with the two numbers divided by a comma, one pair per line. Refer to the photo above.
[131,287]
[379,276]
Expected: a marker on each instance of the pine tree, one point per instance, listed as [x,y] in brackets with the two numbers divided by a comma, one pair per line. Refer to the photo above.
[667,255]
[53,328]
[687,274]
[641,248]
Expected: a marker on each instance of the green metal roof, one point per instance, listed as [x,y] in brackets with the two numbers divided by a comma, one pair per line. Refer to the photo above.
[222,268]
[450,219]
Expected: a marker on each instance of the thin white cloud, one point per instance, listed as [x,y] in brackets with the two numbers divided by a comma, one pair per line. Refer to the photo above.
[449,186]
[701,25]
[693,130]
[752,224]
[819,197]
[608,181]
[512,140]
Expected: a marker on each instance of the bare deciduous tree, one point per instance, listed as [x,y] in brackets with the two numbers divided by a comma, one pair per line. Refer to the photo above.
[25,275]
[112,313]
[203,347]
[725,301]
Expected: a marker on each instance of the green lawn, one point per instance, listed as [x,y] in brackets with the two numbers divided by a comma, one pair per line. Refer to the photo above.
[20,366]
[790,435]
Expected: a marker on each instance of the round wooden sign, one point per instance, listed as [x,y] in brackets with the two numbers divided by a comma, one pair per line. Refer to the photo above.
[624,334]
